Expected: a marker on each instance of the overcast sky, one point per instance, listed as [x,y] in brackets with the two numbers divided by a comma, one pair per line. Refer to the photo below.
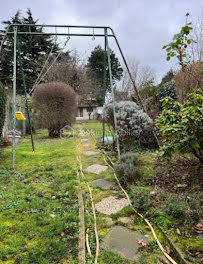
[142,26]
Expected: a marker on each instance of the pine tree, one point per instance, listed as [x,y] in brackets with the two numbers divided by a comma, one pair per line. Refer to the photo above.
[33,50]
[95,66]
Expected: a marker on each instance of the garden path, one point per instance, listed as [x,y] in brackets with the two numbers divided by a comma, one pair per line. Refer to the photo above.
[113,221]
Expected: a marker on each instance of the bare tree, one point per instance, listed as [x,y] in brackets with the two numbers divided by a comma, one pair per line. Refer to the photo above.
[188,79]
[196,47]
[141,74]
[70,69]
[54,106]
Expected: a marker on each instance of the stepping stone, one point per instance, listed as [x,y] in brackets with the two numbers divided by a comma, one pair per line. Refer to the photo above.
[92,159]
[101,183]
[124,220]
[90,153]
[96,168]
[108,221]
[86,145]
[111,205]
[124,242]
[84,139]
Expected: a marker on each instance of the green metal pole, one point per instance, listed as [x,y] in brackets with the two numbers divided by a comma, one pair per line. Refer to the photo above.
[14,97]
[104,88]
[112,94]
[25,94]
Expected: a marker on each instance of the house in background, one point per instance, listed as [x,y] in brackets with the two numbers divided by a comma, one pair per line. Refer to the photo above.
[88,109]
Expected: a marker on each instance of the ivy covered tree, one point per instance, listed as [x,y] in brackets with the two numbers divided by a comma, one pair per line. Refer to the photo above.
[168,77]
[95,68]
[166,89]
[33,49]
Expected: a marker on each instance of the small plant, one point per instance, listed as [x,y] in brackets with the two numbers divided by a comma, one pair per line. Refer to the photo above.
[127,169]
[175,208]
[141,200]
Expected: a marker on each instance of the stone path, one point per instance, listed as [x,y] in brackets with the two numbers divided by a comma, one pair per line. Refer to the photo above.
[124,242]
[90,153]
[103,184]
[96,168]
[111,205]
[119,240]
[91,159]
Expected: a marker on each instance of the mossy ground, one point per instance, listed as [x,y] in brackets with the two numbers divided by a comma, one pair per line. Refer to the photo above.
[39,211]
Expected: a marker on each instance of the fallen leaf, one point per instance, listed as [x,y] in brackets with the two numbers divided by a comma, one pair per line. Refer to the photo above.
[141,242]
[199,228]
[53,215]
[167,249]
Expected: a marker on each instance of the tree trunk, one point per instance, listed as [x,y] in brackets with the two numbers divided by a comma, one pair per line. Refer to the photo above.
[199,156]
[54,133]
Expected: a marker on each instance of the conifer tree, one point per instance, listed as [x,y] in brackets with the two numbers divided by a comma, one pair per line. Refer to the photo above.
[33,50]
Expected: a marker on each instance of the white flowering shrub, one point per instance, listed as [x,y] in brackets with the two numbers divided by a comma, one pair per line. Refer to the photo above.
[132,122]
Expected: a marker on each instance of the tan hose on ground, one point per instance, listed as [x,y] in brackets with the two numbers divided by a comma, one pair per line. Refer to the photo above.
[130,203]
[93,209]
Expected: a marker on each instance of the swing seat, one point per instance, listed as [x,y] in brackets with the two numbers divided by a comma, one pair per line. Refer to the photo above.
[20,116]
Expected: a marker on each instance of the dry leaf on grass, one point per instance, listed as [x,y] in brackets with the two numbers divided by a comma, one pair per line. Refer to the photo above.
[199,228]
[53,215]
[167,249]
[141,242]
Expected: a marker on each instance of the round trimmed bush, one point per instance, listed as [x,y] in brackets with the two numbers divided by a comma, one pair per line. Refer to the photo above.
[132,122]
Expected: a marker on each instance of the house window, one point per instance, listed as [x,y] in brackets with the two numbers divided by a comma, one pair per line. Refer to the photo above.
[81,112]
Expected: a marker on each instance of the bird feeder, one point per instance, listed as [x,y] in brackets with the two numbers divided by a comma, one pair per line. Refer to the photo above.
[19,116]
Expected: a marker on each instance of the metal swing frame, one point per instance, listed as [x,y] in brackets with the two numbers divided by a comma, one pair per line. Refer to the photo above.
[108,32]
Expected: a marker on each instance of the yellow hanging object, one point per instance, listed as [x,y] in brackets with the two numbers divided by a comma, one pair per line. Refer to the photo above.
[20,116]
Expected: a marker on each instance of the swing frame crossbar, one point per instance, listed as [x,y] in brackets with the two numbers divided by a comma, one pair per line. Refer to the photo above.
[14,30]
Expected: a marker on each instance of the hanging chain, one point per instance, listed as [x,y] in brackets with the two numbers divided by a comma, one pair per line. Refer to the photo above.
[93,37]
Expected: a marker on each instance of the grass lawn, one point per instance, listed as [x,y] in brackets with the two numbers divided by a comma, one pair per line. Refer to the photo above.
[38,210]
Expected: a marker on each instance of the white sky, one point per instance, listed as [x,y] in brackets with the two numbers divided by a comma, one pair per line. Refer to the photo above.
[142,26]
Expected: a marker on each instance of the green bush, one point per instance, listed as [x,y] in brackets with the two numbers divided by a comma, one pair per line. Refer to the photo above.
[167,89]
[2,107]
[175,208]
[180,126]
[141,201]
[127,169]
